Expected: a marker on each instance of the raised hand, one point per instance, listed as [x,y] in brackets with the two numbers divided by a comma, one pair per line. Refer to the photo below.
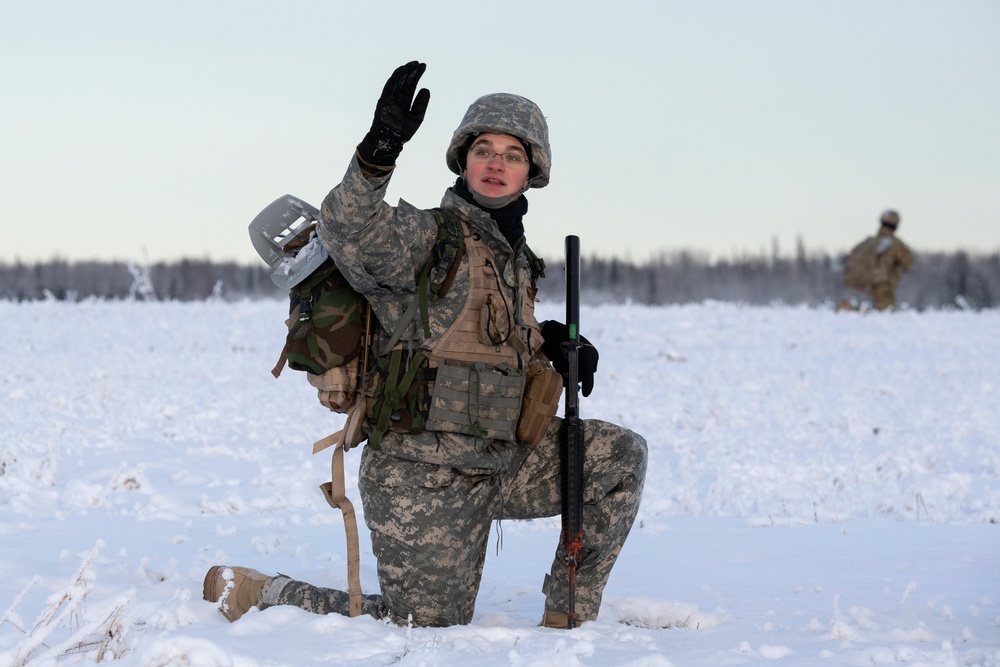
[398,114]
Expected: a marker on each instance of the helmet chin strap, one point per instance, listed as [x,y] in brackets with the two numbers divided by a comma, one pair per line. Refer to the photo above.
[493,202]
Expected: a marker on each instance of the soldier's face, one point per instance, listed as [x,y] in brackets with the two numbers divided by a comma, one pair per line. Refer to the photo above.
[492,170]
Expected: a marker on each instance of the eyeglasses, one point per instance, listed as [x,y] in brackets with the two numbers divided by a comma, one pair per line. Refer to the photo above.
[484,154]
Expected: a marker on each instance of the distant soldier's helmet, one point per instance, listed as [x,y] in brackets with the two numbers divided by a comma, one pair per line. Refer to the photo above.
[890,218]
[503,113]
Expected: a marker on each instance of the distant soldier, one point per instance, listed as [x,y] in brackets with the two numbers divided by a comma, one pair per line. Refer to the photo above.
[875,266]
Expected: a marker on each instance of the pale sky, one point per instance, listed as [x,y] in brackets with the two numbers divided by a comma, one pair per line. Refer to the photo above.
[130,127]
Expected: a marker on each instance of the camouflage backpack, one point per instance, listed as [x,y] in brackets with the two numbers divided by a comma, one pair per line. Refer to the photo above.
[325,322]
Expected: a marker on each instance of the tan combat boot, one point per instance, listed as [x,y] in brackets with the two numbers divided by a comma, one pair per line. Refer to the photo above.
[555,619]
[244,587]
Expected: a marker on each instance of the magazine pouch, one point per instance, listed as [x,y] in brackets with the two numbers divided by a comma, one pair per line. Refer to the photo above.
[476,399]
[543,387]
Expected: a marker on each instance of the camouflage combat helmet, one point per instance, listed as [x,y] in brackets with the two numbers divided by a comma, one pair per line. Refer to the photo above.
[503,113]
[890,217]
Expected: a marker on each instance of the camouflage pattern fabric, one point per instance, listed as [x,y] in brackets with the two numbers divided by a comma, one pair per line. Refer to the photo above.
[429,501]
[283,590]
[889,259]
[324,322]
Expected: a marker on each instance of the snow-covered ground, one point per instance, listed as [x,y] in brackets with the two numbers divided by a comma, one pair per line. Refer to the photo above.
[822,490]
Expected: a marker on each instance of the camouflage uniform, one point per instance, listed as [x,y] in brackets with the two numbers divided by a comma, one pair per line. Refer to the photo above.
[429,500]
[429,497]
[892,259]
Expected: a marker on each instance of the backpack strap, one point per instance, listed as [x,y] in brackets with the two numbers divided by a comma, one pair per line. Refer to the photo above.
[399,374]
[446,256]
[435,276]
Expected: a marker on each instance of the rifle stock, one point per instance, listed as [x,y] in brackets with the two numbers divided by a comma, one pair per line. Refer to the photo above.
[571,445]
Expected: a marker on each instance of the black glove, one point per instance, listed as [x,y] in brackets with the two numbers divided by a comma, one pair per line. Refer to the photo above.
[398,114]
[554,334]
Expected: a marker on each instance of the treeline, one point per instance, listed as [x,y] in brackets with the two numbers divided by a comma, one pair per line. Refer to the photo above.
[940,280]
[184,280]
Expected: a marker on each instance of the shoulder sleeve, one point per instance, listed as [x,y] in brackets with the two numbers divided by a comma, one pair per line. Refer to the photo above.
[377,247]
[904,255]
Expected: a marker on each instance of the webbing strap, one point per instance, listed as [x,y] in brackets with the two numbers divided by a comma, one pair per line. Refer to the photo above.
[435,278]
[474,386]
[282,360]
[384,405]
[411,373]
[394,392]
[422,290]
[336,495]
[536,263]
[404,322]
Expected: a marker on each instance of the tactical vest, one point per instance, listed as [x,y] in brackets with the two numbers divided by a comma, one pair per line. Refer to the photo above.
[473,378]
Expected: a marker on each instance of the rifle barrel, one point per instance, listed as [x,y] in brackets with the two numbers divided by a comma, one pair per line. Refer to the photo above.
[572,441]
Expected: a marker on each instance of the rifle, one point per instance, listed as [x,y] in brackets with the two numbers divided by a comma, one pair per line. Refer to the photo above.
[571,442]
